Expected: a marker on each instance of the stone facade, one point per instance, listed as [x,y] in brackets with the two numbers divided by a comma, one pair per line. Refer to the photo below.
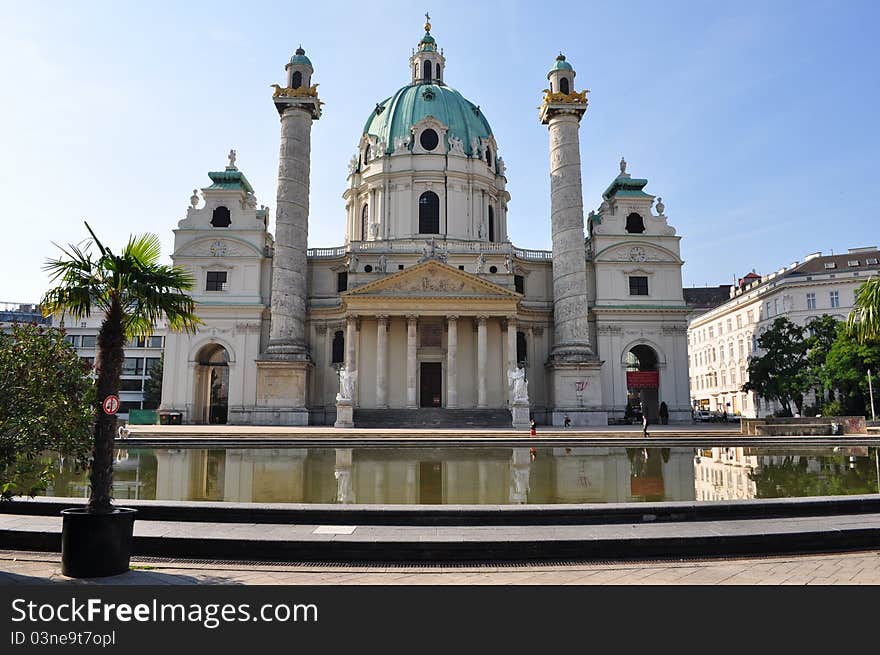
[427,303]
[720,341]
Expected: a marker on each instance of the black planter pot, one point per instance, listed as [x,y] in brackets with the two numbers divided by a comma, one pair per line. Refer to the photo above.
[96,545]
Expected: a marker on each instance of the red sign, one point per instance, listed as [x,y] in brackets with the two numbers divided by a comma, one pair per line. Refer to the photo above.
[643,379]
[111,404]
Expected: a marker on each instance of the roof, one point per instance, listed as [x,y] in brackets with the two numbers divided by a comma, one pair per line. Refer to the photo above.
[415,102]
[300,57]
[706,297]
[841,263]
[230,180]
[561,64]
[625,186]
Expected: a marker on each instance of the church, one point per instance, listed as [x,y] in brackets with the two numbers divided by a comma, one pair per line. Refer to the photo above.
[428,314]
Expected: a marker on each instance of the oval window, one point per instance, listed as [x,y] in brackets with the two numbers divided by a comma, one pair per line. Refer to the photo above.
[429,139]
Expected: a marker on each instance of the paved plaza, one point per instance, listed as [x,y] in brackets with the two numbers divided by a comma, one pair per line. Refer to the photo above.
[856,568]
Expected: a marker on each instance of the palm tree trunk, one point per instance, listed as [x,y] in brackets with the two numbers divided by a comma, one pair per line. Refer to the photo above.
[111,353]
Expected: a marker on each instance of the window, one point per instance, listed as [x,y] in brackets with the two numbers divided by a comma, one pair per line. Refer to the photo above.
[133,366]
[151,363]
[740,349]
[721,352]
[72,339]
[739,321]
[830,265]
[489,155]
[131,385]
[426,71]
[711,332]
[367,153]
[89,341]
[338,349]
[521,348]
[720,329]
[88,361]
[216,281]
[365,219]
[767,313]
[853,262]
[835,299]
[368,268]
[723,378]
[220,217]
[519,283]
[750,316]
[563,86]
[775,306]
[491,223]
[730,325]
[871,261]
[429,213]
[429,139]
[638,285]
[754,342]
[438,73]
[811,301]
[635,224]
[296,80]
[155,342]
[493,269]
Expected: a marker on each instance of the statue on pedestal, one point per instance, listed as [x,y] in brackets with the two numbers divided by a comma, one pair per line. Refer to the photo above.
[347,379]
[519,387]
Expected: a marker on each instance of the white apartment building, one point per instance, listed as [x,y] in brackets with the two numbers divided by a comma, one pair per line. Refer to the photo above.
[721,340]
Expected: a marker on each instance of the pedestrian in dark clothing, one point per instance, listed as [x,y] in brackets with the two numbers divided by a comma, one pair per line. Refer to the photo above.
[645,425]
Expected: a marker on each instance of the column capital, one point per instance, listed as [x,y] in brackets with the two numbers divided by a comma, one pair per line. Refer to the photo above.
[383,319]
[452,319]
[412,318]
[482,318]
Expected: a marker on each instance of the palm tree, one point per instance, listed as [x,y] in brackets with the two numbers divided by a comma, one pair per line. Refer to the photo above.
[133,290]
[864,320]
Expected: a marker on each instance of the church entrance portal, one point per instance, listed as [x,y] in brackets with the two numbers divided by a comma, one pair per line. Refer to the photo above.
[212,385]
[431,385]
[643,382]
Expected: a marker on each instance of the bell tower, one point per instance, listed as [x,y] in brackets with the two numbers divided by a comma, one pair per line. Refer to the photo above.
[573,365]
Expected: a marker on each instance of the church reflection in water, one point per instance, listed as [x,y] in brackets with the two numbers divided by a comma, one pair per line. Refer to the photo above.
[419,476]
[482,476]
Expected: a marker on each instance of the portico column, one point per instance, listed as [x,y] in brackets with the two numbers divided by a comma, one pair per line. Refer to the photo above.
[351,350]
[451,354]
[482,357]
[411,345]
[511,351]
[382,362]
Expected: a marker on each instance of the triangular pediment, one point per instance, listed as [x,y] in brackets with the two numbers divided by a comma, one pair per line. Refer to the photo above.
[432,279]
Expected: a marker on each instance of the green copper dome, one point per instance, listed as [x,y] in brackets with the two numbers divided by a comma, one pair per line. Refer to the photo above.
[394,116]
[561,64]
[299,57]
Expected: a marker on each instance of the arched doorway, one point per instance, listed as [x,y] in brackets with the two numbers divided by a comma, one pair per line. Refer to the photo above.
[212,385]
[643,382]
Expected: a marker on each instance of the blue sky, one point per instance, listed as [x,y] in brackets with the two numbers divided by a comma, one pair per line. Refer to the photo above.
[755,121]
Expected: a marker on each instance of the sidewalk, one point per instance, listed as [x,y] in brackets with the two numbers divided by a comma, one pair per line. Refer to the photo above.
[857,568]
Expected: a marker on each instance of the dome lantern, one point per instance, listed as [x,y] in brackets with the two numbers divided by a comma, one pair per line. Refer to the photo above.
[561,76]
[427,64]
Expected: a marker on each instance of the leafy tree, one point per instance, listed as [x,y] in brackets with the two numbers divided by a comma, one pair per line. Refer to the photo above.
[153,385]
[864,320]
[133,291]
[781,373]
[846,368]
[823,333]
[46,404]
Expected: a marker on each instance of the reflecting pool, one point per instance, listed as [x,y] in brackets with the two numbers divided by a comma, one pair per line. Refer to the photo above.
[463,475]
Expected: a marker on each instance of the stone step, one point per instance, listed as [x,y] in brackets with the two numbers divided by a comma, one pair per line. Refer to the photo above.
[432,417]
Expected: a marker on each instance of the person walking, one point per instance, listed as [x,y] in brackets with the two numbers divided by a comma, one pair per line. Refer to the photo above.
[645,425]
[533,427]
[567,422]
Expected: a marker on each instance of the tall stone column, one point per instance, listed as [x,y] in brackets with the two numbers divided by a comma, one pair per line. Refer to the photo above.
[451,356]
[573,363]
[382,362]
[411,355]
[283,370]
[482,360]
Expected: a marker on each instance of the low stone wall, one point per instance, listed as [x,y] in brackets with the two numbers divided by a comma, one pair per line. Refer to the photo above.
[807,426]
